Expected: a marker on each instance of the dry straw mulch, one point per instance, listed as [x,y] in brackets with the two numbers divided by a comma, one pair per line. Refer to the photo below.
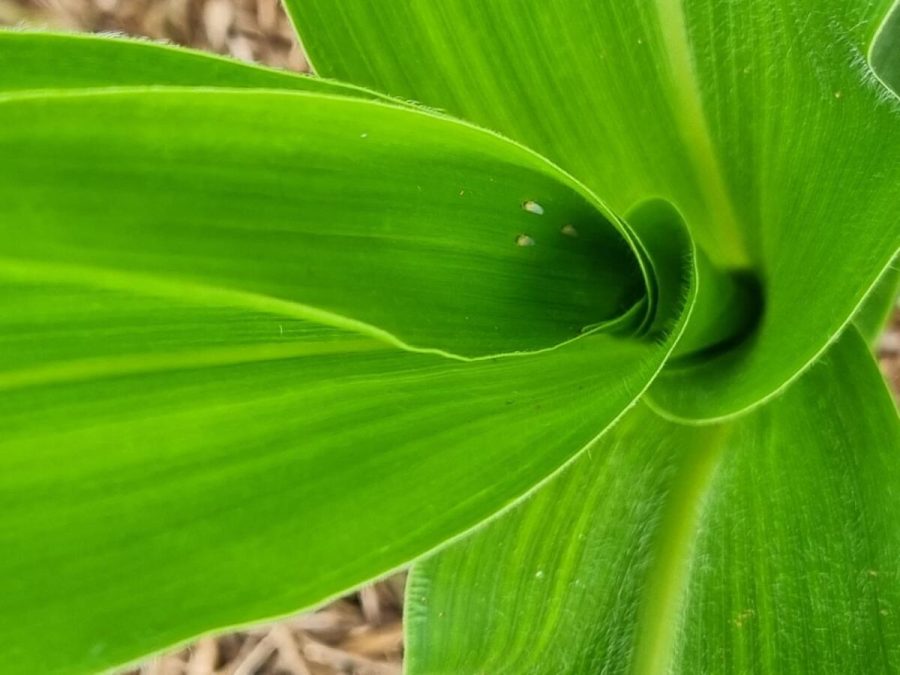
[359,635]
[889,351]
[252,30]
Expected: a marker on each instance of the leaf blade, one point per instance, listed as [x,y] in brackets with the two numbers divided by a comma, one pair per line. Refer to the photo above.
[41,61]
[351,257]
[157,380]
[748,545]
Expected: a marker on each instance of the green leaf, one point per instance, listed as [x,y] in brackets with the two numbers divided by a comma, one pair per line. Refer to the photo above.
[339,205]
[765,544]
[761,121]
[871,318]
[259,314]
[883,54]
[48,61]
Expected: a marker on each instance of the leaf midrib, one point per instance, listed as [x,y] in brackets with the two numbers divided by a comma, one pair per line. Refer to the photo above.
[659,618]
[692,123]
[101,367]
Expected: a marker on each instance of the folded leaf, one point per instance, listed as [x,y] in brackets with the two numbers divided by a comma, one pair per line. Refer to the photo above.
[761,121]
[765,544]
[409,223]
[238,341]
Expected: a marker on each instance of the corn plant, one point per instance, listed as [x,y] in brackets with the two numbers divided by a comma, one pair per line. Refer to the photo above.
[576,315]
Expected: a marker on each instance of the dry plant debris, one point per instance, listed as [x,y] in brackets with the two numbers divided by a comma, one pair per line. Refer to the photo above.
[889,352]
[359,635]
[251,30]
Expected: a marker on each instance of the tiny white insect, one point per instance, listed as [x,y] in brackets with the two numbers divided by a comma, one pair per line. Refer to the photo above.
[569,230]
[524,240]
[533,207]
